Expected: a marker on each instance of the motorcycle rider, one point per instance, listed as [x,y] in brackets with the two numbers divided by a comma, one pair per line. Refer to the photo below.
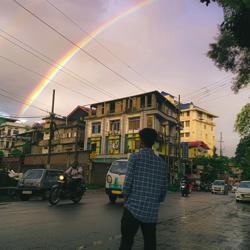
[75,172]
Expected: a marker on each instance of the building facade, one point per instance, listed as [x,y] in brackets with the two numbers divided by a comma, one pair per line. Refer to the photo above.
[112,127]
[68,132]
[198,128]
[8,132]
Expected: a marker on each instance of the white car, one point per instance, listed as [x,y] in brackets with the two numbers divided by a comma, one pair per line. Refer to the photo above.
[243,191]
[219,187]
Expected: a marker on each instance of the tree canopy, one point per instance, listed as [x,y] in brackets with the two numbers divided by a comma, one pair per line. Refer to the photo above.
[242,123]
[231,51]
[242,157]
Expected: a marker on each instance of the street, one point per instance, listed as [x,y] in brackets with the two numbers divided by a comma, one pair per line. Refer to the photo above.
[201,221]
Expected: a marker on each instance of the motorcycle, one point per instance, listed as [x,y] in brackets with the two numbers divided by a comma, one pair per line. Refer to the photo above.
[62,190]
[185,190]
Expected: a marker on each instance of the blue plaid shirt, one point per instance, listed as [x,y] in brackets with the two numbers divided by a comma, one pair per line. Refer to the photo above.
[145,185]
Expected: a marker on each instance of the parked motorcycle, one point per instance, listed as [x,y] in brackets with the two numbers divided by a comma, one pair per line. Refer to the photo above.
[63,190]
[184,188]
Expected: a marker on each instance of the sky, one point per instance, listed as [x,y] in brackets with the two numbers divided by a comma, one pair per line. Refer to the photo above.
[160,46]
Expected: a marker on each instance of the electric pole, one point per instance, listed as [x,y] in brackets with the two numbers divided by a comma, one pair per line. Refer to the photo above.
[179,133]
[51,130]
[221,141]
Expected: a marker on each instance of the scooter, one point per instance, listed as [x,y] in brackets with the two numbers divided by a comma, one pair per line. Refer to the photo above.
[184,188]
[62,190]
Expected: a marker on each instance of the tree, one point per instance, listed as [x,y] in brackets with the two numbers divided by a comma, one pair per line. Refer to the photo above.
[214,167]
[242,123]
[1,154]
[242,157]
[231,51]
[16,153]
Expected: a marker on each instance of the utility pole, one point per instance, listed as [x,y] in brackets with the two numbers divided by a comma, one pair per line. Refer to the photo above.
[51,130]
[221,141]
[179,133]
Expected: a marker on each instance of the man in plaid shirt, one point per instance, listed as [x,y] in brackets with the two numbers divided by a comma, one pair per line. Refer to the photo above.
[144,188]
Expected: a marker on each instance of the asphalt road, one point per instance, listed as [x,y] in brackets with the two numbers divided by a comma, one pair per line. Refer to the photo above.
[201,221]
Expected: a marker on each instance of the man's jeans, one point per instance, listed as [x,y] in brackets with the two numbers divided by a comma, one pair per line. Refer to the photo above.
[129,228]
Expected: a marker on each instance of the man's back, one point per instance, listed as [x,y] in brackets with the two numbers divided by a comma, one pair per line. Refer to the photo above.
[145,185]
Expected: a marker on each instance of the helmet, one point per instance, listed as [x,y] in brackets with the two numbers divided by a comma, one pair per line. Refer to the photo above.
[74,164]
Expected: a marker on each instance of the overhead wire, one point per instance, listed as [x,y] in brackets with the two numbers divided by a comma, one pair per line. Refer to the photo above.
[77,46]
[98,42]
[41,75]
[60,67]
[205,89]
[22,102]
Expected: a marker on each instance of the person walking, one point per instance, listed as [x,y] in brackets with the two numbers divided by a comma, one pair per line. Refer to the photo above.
[145,187]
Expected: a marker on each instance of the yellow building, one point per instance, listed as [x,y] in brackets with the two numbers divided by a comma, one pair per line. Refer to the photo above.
[112,127]
[197,128]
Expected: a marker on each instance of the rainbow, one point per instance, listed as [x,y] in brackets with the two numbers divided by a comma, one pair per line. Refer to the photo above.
[53,72]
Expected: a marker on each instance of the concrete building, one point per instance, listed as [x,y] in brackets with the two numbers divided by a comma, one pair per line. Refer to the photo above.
[198,128]
[9,129]
[112,127]
[68,132]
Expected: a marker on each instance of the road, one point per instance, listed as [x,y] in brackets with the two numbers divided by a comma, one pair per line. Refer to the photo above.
[201,221]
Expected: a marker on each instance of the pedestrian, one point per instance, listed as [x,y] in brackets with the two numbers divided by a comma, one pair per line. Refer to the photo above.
[144,188]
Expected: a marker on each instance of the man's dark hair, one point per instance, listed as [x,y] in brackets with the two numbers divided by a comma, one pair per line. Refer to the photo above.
[148,136]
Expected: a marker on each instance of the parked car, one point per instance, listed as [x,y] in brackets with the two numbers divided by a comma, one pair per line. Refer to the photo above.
[219,187]
[115,179]
[37,182]
[243,191]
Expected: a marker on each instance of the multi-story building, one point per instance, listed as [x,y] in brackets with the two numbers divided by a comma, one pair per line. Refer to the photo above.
[112,127]
[9,129]
[68,132]
[198,128]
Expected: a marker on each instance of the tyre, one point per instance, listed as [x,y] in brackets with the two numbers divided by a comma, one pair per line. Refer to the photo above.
[45,195]
[24,197]
[237,200]
[54,196]
[77,197]
[112,198]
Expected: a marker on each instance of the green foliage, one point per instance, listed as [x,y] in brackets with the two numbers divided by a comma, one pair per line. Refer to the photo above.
[231,51]
[214,167]
[242,124]
[1,154]
[242,157]
[16,153]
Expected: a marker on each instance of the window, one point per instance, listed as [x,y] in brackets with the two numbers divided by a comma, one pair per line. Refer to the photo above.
[199,115]
[149,99]
[15,132]
[93,147]
[187,134]
[188,113]
[115,125]
[187,123]
[7,144]
[182,125]
[142,101]
[134,123]
[150,122]
[102,108]
[93,110]
[112,107]
[182,134]
[96,128]
[9,132]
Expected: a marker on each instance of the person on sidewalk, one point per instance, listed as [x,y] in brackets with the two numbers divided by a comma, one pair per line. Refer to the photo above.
[144,188]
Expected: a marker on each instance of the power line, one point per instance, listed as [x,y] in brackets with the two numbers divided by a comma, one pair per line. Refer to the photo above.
[205,89]
[97,41]
[21,117]
[214,91]
[54,64]
[76,45]
[16,100]
[37,73]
